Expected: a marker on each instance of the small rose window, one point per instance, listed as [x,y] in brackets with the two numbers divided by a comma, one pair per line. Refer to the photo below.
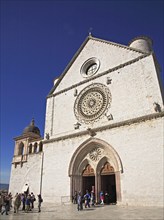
[90,67]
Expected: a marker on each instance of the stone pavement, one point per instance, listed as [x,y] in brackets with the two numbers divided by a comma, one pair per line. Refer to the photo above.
[111,212]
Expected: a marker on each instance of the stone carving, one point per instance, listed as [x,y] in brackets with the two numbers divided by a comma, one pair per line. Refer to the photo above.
[75,92]
[108,80]
[157,107]
[47,136]
[109,117]
[91,132]
[77,125]
[95,154]
[92,102]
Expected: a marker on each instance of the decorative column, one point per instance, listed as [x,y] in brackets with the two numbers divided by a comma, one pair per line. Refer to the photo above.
[118,186]
[76,183]
[71,188]
[97,186]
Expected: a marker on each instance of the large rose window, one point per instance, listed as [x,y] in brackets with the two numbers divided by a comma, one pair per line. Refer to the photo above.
[92,102]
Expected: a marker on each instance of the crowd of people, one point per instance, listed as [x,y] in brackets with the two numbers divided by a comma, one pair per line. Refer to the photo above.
[21,201]
[88,199]
[25,201]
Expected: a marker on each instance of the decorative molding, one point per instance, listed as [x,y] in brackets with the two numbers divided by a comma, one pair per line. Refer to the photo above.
[114,125]
[89,171]
[107,169]
[29,135]
[99,75]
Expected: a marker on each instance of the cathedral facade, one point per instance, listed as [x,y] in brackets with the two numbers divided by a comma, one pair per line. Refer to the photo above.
[103,129]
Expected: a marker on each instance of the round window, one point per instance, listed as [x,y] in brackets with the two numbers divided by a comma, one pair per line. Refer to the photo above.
[92,103]
[90,67]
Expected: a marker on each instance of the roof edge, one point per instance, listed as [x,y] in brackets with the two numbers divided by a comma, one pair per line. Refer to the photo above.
[69,64]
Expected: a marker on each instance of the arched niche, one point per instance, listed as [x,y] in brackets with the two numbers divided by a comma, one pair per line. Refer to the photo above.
[21,149]
[30,149]
[35,147]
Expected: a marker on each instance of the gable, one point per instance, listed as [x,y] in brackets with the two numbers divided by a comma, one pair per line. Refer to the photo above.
[109,55]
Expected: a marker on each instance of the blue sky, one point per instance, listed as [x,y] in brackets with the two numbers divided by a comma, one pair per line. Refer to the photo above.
[39,38]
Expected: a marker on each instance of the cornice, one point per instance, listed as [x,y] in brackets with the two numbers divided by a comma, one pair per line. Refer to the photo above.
[99,75]
[119,45]
[29,135]
[111,126]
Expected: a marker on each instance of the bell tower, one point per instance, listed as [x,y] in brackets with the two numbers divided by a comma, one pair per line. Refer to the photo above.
[22,143]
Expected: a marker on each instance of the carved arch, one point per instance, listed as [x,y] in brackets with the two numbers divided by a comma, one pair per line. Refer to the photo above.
[103,161]
[87,146]
[82,166]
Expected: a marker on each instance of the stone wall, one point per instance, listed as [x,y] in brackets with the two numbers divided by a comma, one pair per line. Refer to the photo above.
[133,88]
[27,173]
[140,149]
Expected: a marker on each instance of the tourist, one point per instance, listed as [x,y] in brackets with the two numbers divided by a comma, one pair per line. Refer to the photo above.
[10,201]
[101,198]
[87,199]
[75,198]
[23,199]
[32,200]
[40,200]
[1,201]
[92,198]
[79,202]
[107,198]
[27,203]
[5,205]
[17,202]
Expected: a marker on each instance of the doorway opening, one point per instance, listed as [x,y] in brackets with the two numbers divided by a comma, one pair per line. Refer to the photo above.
[88,179]
[108,184]
[88,183]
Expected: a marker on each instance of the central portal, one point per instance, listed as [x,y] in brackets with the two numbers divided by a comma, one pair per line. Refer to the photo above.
[96,166]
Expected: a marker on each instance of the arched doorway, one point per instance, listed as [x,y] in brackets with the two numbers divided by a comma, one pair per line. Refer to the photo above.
[108,183]
[88,179]
[96,163]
